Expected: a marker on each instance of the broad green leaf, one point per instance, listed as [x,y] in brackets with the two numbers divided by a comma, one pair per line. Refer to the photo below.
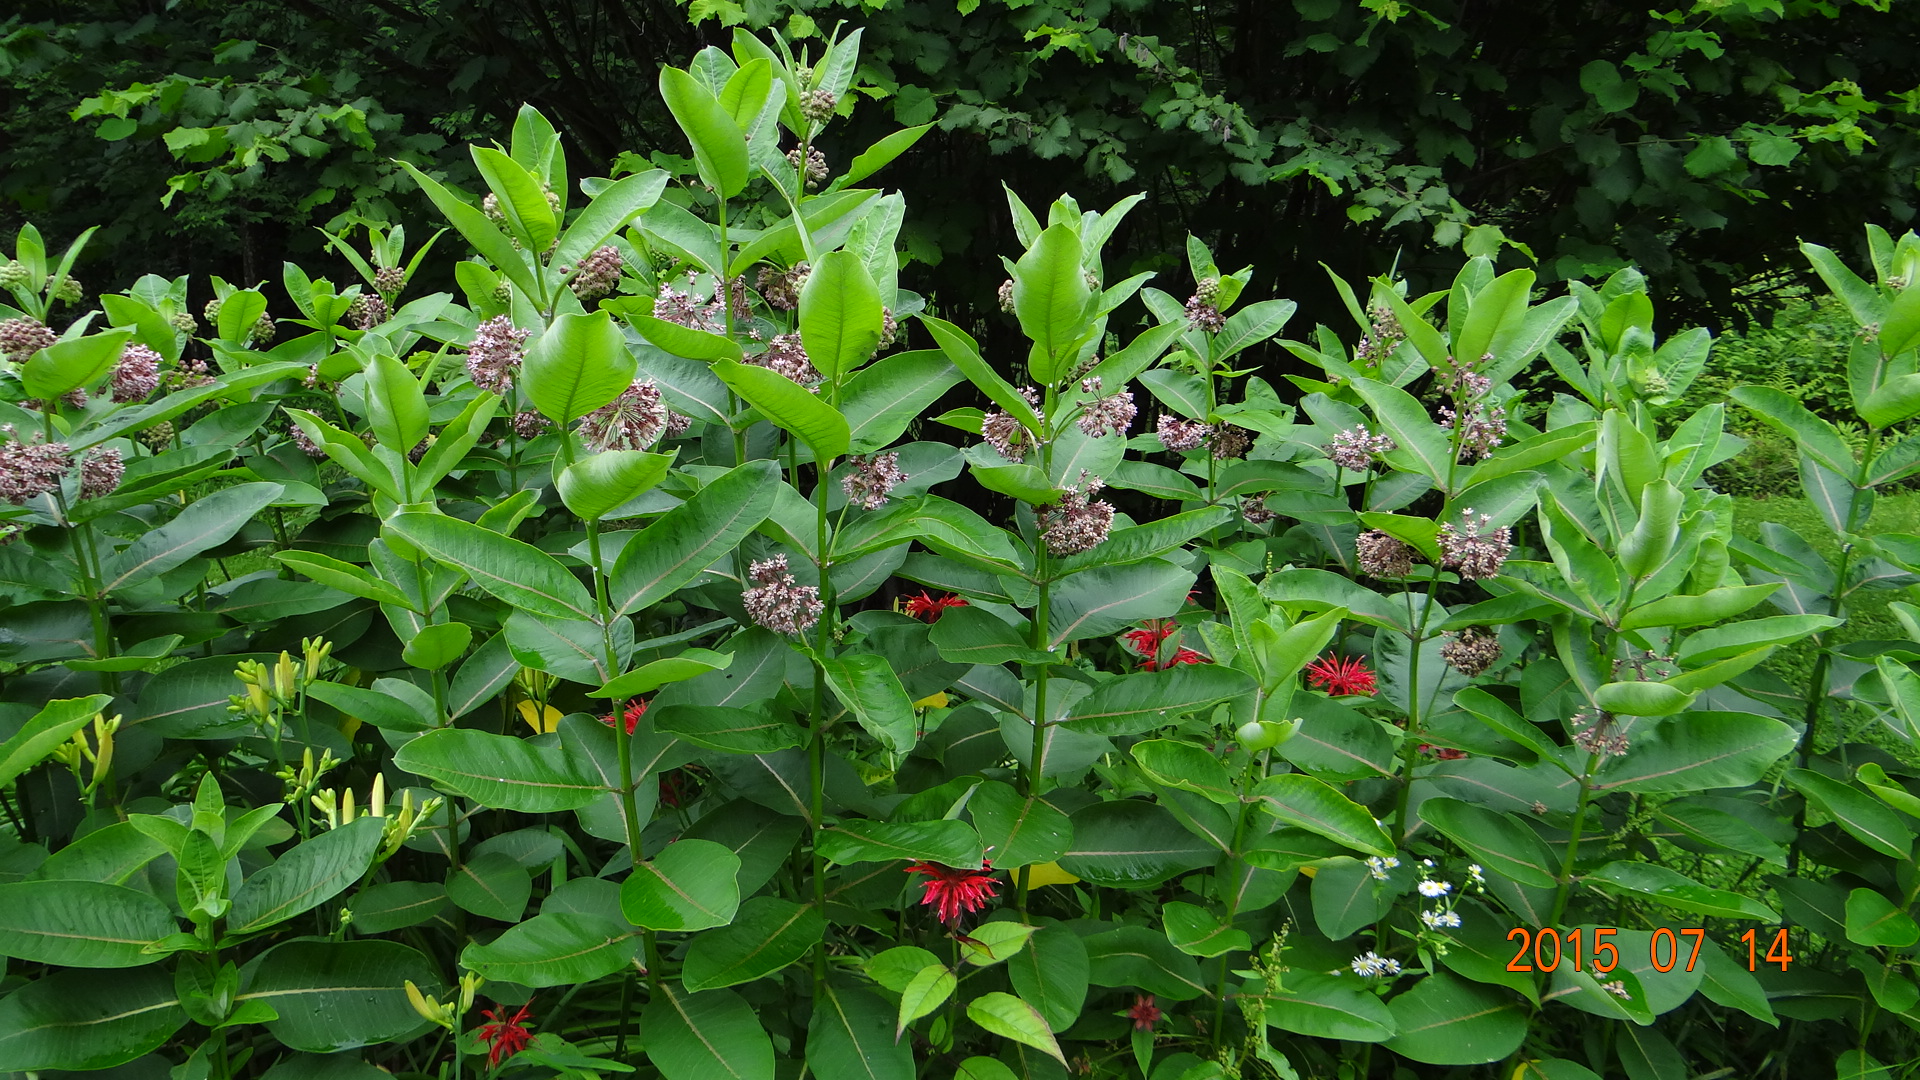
[1448,1021]
[307,876]
[726,729]
[685,341]
[518,573]
[650,677]
[926,991]
[1050,296]
[204,523]
[45,732]
[240,311]
[438,645]
[1197,931]
[519,196]
[382,710]
[1177,764]
[500,771]
[1051,975]
[599,482]
[1792,419]
[396,406]
[1707,607]
[74,363]
[1136,956]
[343,576]
[492,885]
[965,354]
[1017,830]
[1697,751]
[1675,890]
[1721,642]
[84,924]
[396,905]
[883,399]
[557,949]
[993,943]
[1495,309]
[1327,1007]
[1012,1018]
[969,635]
[877,156]
[894,968]
[1405,420]
[1148,540]
[581,363]
[852,1035]
[1504,844]
[719,146]
[1868,819]
[1896,400]
[789,406]
[479,231]
[840,314]
[866,684]
[689,885]
[946,841]
[690,537]
[1106,600]
[86,1020]
[1641,698]
[765,937]
[112,855]
[1872,920]
[336,995]
[1130,843]
[705,1036]
[1300,800]
[608,213]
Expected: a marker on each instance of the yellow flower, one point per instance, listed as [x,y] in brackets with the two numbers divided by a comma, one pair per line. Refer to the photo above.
[541,718]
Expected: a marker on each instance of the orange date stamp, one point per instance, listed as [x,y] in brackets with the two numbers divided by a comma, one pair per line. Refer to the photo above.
[1592,949]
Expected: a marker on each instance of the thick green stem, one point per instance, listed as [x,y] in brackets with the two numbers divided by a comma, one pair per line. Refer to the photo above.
[1564,890]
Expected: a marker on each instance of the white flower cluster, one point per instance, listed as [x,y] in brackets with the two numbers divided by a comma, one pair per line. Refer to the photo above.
[1372,965]
[1441,916]
[1378,866]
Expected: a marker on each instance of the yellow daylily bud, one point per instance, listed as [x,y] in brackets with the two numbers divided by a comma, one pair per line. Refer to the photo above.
[429,1009]
[377,805]
[346,807]
[541,718]
[469,983]
[283,673]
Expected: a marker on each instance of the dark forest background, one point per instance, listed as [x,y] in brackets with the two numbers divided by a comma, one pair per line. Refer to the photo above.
[1700,143]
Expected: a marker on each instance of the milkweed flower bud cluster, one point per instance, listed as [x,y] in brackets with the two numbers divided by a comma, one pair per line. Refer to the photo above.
[389,279]
[1383,556]
[781,288]
[100,472]
[1356,448]
[136,375]
[1112,414]
[1470,652]
[22,336]
[1227,442]
[777,602]
[368,310]
[817,106]
[30,468]
[785,355]
[1179,435]
[598,275]
[1384,335]
[1470,551]
[1077,522]
[816,165]
[872,477]
[1008,437]
[633,421]
[496,354]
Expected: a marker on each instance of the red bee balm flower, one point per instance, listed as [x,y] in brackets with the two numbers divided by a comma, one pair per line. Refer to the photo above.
[505,1036]
[1144,1013]
[635,710]
[1340,676]
[929,607]
[1184,656]
[956,892]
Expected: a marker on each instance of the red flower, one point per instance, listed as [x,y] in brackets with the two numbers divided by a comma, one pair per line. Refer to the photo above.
[505,1037]
[1444,753]
[635,710]
[929,607]
[1145,1013]
[1340,676]
[1146,640]
[1184,656]
[956,892]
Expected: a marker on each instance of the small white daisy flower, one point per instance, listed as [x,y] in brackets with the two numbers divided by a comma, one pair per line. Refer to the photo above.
[1432,888]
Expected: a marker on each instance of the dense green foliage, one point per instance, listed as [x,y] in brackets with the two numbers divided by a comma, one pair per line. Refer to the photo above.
[601,668]
[1695,141]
